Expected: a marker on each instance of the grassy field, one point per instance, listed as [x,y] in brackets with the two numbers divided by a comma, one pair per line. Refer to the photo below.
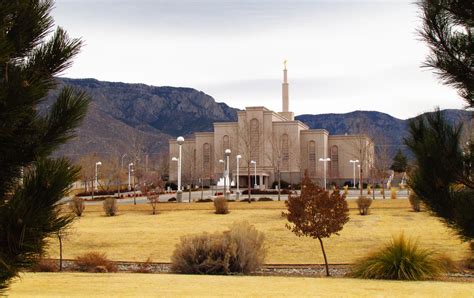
[135,234]
[165,285]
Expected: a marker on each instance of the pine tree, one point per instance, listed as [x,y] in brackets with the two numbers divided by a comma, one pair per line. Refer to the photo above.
[442,176]
[31,183]
[399,163]
[448,29]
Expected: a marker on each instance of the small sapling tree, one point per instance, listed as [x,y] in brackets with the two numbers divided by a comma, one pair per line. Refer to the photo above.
[315,213]
[154,198]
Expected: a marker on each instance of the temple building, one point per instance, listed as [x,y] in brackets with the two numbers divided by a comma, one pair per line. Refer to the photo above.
[270,144]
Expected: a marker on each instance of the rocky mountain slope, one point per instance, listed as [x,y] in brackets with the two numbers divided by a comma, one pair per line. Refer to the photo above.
[122,115]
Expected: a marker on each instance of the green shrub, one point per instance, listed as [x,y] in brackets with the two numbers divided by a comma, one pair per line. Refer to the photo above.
[77,206]
[363,203]
[221,205]
[401,259]
[239,250]
[415,202]
[110,206]
[95,262]
[265,199]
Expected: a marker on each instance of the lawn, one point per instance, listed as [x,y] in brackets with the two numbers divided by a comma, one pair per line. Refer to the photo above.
[135,234]
[165,285]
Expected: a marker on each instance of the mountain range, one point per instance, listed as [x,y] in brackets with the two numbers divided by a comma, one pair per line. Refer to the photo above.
[122,116]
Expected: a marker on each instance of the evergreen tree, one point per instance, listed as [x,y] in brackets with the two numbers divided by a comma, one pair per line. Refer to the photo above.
[399,163]
[448,29]
[31,184]
[443,177]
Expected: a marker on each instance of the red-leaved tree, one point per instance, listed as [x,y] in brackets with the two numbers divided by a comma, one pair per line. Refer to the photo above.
[315,213]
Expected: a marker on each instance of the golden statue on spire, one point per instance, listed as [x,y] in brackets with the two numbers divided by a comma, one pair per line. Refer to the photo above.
[285,62]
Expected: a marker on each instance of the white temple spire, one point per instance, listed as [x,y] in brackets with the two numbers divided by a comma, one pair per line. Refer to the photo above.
[285,96]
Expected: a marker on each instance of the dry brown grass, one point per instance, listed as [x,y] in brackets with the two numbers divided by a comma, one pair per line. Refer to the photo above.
[168,285]
[136,235]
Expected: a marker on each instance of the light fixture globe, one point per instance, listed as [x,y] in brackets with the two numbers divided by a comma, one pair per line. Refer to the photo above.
[239,156]
[180,140]
[227,152]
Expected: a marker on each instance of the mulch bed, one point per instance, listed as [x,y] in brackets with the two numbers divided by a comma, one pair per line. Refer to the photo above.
[294,270]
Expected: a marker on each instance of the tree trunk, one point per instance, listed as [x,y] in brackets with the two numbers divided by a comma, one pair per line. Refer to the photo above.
[249,181]
[383,188]
[60,252]
[279,183]
[324,254]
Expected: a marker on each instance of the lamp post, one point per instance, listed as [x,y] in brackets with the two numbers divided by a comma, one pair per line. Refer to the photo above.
[96,175]
[255,172]
[237,195]
[354,166]
[325,160]
[223,173]
[179,193]
[130,165]
[227,153]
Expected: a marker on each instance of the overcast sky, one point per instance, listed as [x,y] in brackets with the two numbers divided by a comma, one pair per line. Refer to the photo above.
[342,55]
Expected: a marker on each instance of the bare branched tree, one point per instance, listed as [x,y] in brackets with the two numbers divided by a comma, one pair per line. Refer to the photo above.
[248,149]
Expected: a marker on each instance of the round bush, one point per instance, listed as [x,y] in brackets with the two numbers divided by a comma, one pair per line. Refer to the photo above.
[363,203]
[110,206]
[239,250]
[77,206]
[221,205]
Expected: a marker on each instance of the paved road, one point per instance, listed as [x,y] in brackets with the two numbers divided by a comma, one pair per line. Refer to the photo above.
[196,195]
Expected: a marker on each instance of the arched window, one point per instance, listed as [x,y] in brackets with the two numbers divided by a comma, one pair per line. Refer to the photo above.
[254,139]
[225,143]
[206,160]
[312,158]
[285,152]
[334,162]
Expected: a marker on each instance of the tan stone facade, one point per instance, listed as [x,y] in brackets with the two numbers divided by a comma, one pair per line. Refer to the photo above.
[277,143]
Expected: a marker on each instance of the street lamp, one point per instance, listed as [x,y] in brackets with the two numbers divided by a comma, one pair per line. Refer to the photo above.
[96,175]
[223,172]
[130,165]
[174,158]
[227,153]
[325,160]
[179,193]
[238,157]
[255,171]
[354,166]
